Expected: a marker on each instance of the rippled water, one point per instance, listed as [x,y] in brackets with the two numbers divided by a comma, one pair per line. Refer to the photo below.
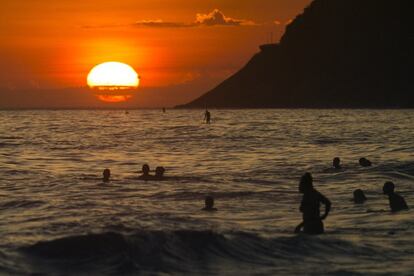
[57,217]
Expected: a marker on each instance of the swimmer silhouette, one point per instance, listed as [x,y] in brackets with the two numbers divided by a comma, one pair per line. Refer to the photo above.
[163,110]
[145,173]
[364,162]
[106,175]
[159,172]
[336,163]
[359,196]
[397,202]
[310,207]
[209,204]
[207,117]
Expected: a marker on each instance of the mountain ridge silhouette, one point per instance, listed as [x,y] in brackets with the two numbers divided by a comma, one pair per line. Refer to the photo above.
[336,54]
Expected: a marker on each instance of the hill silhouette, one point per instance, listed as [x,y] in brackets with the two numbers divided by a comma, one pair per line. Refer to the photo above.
[337,54]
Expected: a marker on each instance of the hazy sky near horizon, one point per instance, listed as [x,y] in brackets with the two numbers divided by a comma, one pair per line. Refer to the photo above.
[54,44]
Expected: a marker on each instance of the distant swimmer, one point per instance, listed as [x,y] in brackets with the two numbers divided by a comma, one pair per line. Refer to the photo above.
[145,173]
[310,207]
[106,175]
[336,163]
[364,162]
[207,117]
[159,173]
[209,204]
[397,202]
[163,110]
[359,196]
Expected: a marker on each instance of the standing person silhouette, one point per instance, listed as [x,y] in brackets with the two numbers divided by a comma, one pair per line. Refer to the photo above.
[106,175]
[310,207]
[207,117]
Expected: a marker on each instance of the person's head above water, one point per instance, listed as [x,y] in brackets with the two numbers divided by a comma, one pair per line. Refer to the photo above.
[364,162]
[209,204]
[145,169]
[106,175]
[336,163]
[388,188]
[159,172]
[306,183]
[359,196]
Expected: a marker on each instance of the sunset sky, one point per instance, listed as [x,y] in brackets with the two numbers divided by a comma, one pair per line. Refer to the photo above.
[190,44]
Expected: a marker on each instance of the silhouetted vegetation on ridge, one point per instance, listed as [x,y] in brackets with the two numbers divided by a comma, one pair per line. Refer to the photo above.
[338,53]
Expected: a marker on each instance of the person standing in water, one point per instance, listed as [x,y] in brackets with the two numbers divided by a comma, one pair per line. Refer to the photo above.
[106,175]
[310,207]
[207,117]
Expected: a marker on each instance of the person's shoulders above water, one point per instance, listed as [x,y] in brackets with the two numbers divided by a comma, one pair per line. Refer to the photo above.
[359,196]
[209,209]
[151,177]
[397,203]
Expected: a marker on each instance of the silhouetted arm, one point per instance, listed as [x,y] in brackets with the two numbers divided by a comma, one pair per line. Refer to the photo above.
[327,204]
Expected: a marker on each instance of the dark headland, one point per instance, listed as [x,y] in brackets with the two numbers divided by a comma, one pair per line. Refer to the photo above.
[337,54]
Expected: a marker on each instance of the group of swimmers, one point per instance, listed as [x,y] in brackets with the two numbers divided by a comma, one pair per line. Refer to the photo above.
[363,162]
[159,173]
[312,221]
[312,199]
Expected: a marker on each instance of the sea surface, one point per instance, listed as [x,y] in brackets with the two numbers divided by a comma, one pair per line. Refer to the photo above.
[57,217]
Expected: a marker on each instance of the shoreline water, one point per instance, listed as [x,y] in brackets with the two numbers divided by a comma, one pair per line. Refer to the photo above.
[51,189]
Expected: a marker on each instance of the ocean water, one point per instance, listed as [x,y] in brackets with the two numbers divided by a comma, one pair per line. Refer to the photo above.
[58,218]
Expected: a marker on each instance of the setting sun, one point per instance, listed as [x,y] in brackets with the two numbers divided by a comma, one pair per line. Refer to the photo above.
[113,81]
[113,75]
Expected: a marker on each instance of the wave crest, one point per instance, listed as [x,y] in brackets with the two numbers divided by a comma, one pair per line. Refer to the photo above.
[184,250]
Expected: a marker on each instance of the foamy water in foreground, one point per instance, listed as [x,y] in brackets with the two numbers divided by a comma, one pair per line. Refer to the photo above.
[57,217]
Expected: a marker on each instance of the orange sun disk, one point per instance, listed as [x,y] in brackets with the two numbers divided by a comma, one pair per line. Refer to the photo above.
[113,82]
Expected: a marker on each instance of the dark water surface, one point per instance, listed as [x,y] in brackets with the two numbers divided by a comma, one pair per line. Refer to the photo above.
[57,217]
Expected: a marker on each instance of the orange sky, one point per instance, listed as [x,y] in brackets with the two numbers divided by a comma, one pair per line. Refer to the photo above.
[53,44]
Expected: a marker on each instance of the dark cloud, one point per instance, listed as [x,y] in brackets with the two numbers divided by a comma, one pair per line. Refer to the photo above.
[162,24]
[217,18]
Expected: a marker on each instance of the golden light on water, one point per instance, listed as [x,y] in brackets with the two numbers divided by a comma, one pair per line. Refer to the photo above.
[113,81]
